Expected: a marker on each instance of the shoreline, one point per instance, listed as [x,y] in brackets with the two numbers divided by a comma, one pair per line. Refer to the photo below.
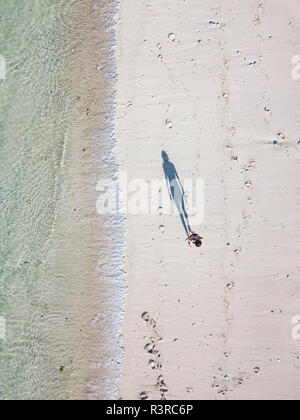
[102,296]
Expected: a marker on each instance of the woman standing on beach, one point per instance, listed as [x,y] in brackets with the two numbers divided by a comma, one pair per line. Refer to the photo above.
[195,239]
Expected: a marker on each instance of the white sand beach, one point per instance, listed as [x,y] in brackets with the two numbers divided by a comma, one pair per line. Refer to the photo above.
[212,84]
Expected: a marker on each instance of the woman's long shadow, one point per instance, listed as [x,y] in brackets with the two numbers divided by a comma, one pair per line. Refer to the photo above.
[175,189]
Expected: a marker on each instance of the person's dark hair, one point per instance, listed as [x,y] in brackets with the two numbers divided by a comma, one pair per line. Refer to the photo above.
[165,156]
[198,243]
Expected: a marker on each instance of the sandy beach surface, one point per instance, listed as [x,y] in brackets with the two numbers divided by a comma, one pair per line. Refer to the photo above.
[212,83]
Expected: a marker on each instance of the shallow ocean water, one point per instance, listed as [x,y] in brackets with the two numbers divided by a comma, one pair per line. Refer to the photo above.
[54,248]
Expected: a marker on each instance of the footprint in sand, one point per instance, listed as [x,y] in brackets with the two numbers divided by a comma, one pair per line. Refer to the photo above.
[281,135]
[169,124]
[152,323]
[144,395]
[160,380]
[267,110]
[230,285]
[163,390]
[172,36]
[145,316]
[150,348]
[155,362]
[160,211]
[232,130]
[162,386]
[228,145]
[162,228]
[257,20]
[249,165]
[226,62]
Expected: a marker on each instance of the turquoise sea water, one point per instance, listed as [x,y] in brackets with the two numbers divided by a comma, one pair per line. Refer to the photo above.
[40,41]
